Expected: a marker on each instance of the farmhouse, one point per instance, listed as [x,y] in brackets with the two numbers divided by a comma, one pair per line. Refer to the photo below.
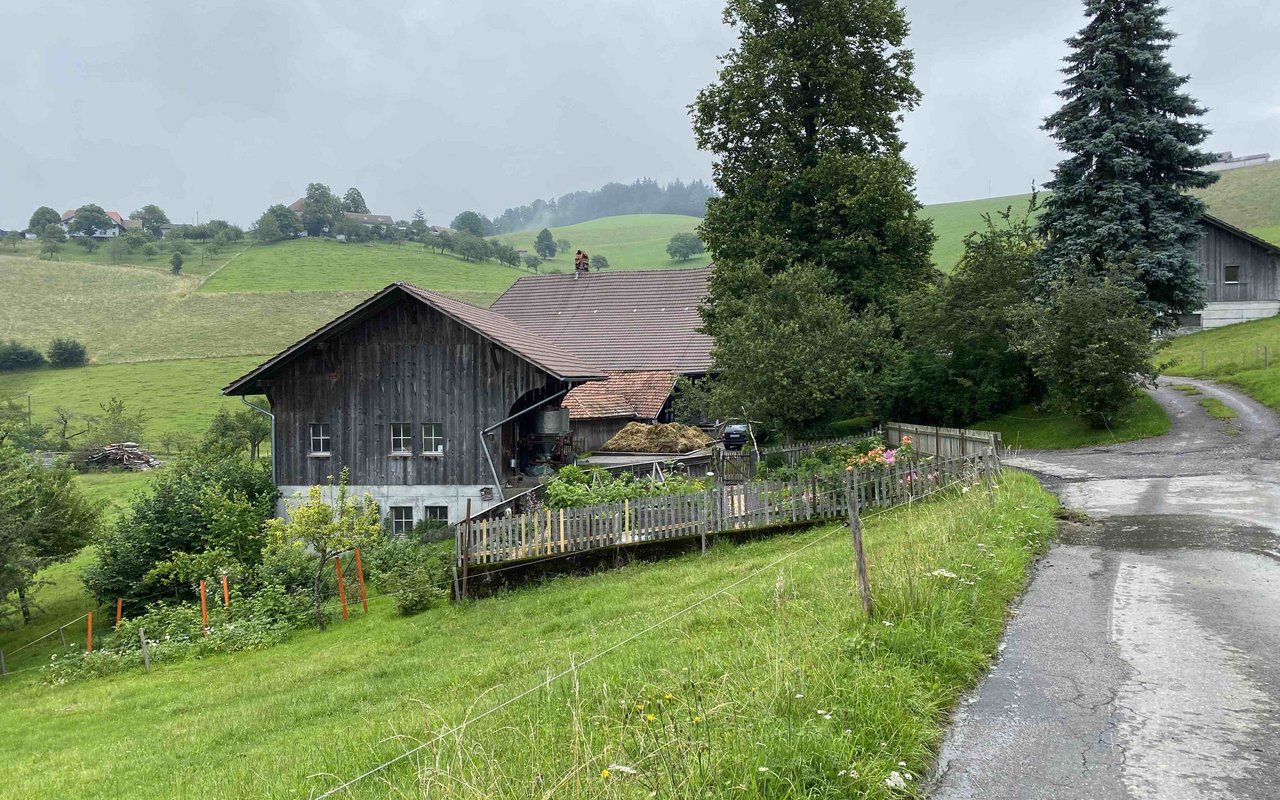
[1240,276]
[117,226]
[434,406]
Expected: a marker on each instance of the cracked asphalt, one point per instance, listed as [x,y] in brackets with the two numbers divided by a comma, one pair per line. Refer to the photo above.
[1141,661]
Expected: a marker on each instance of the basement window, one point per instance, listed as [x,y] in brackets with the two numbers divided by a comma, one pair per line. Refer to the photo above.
[1231,274]
[320,441]
[432,439]
[401,439]
[401,519]
[436,513]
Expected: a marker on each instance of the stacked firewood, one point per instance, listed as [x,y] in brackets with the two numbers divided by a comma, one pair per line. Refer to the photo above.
[123,455]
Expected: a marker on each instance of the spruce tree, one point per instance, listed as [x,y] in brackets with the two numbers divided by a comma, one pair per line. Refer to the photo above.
[1119,197]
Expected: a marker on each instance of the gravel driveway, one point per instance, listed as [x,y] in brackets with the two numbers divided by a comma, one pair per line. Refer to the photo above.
[1142,661]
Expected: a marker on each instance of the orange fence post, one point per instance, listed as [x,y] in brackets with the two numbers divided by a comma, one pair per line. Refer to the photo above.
[204,609]
[342,590]
[364,601]
[226,596]
[89,636]
[119,610]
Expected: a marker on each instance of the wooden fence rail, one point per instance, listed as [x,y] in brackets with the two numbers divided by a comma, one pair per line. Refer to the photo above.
[726,508]
[943,442]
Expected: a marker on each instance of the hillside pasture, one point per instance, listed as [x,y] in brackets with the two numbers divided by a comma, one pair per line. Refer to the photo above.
[75,254]
[1245,355]
[760,679]
[309,265]
[630,241]
[177,396]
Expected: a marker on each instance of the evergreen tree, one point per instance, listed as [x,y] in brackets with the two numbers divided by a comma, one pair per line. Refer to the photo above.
[1132,145]
[354,202]
[545,245]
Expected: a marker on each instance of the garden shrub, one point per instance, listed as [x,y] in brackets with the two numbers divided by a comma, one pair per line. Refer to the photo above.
[416,574]
[575,487]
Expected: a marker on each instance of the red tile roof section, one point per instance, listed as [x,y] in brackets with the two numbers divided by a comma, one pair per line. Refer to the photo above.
[624,394]
[618,321]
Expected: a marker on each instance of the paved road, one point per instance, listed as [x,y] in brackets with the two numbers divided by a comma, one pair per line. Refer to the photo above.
[1142,662]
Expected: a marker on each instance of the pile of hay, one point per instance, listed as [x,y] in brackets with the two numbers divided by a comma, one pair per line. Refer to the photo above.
[673,437]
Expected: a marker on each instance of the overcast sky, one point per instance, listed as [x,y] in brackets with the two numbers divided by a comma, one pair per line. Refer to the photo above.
[222,108]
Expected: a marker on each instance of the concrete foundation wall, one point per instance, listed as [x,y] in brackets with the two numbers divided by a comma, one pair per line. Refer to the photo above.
[1215,315]
[453,497]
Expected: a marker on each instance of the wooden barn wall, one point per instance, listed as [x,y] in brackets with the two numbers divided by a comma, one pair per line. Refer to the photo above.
[1220,248]
[591,434]
[408,363]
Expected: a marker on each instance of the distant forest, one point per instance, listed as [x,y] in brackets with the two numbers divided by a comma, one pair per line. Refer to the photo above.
[645,196]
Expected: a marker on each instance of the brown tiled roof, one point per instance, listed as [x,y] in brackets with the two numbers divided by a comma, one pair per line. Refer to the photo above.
[298,206]
[627,320]
[624,394]
[527,345]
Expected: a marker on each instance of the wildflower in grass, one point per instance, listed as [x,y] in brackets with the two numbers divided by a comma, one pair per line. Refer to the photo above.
[649,717]
[888,624]
[668,696]
[604,773]
[621,769]
[696,720]
[799,696]
[762,769]
[895,781]
[942,573]
[639,706]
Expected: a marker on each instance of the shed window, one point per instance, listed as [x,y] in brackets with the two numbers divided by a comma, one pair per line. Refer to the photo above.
[401,519]
[432,438]
[436,513]
[1231,274]
[401,438]
[319,439]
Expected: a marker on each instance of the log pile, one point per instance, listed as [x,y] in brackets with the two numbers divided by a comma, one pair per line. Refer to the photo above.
[123,455]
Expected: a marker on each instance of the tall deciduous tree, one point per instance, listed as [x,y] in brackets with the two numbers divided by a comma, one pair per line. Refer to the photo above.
[320,209]
[473,223]
[544,244]
[89,220]
[152,217]
[51,239]
[354,202]
[1133,152]
[43,216]
[804,123]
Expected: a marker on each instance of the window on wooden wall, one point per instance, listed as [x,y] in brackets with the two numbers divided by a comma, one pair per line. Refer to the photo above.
[1231,274]
[432,438]
[401,519]
[401,438]
[436,513]
[320,440]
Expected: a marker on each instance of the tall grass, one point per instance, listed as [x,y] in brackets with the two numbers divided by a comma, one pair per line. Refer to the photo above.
[777,687]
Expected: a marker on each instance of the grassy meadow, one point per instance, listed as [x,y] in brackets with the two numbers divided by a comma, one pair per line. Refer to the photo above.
[1032,428]
[177,396]
[762,679]
[1245,355]
[631,241]
[71,253]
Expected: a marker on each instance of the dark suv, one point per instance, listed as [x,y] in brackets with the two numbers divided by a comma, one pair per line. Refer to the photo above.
[735,436]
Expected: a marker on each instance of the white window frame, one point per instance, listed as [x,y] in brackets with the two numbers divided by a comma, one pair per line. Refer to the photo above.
[1226,267]
[433,445]
[324,434]
[406,438]
[398,523]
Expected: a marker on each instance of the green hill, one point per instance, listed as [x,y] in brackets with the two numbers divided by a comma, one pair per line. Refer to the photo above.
[631,241]
[1248,198]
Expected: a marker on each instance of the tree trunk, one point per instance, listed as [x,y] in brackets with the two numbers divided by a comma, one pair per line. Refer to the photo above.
[24,604]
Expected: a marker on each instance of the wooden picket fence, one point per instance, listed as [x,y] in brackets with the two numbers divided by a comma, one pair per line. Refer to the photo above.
[723,509]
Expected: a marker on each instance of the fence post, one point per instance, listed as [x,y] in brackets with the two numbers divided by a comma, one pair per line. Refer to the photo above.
[1266,356]
[119,610]
[1202,359]
[204,609]
[3,670]
[364,601]
[89,635]
[62,636]
[146,652]
[855,528]
[987,477]
[342,589]
[226,593]
[465,553]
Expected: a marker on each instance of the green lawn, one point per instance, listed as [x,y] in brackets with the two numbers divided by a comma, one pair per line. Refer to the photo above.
[177,396]
[630,241]
[310,265]
[775,685]
[1031,428]
[193,263]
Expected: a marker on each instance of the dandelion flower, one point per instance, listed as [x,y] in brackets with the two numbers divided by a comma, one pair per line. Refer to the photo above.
[668,696]
[649,717]
[696,720]
[639,706]
[604,773]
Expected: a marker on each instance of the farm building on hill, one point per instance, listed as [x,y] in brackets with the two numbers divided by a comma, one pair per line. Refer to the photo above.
[117,226]
[435,406]
[1239,272]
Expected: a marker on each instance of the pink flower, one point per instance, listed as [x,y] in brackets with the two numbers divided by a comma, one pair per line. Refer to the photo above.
[889,456]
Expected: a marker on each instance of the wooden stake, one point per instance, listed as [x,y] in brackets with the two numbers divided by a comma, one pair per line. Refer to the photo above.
[342,589]
[987,476]
[855,528]
[119,610]
[364,601]
[204,609]
[146,651]
[3,670]
[89,636]
[466,549]
[226,595]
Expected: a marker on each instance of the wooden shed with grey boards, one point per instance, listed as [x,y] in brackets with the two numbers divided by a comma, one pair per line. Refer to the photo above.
[1239,272]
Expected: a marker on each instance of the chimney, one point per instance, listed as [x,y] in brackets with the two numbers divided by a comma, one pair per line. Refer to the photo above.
[581,263]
